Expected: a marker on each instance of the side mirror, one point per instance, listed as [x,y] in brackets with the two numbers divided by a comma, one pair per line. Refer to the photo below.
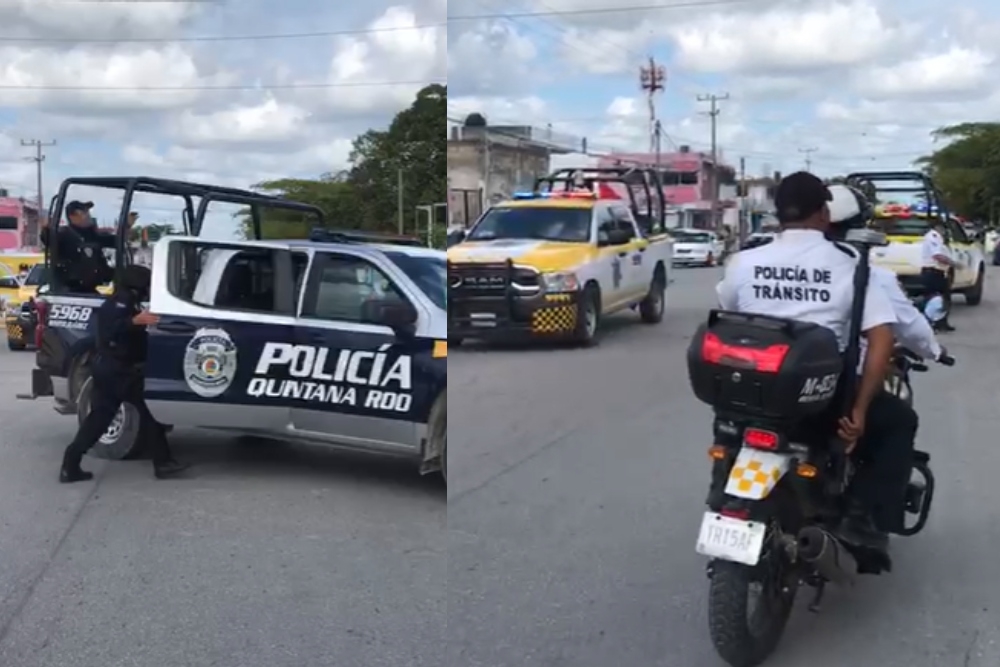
[613,238]
[456,237]
[400,316]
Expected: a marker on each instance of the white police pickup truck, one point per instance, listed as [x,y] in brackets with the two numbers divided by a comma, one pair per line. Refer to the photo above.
[335,344]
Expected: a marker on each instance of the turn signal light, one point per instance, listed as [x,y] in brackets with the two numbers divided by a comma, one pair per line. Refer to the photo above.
[716,452]
[806,470]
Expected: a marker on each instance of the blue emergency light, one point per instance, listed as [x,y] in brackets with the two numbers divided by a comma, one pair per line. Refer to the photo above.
[531,195]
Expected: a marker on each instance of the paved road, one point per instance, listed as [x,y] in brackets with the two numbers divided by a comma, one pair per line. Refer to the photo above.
[269,556]
[578,482]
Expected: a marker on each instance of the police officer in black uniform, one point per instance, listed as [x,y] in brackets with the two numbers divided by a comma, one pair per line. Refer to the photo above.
[81,266]
[117,377]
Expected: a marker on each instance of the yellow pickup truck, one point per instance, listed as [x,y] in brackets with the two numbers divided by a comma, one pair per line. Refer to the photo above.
[554,264]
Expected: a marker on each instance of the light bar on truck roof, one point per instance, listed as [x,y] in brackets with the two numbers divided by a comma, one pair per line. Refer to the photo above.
[893,210]
[556,194]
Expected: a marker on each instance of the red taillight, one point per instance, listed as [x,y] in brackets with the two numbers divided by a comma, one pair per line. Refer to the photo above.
[767,360]
[41,317]
[736,514]
[758,439]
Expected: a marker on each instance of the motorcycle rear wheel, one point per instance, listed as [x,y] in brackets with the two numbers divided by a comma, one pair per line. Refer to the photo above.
[745,635]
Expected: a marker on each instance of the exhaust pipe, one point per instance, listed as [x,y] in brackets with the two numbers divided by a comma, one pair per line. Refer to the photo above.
[822,550]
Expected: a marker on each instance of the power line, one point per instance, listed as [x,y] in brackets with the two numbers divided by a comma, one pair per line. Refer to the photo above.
[219,38]
[261,86]
[601,10]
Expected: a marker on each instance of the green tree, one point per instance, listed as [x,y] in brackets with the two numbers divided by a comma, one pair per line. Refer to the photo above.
[967,168]
[414,146]
[331,193]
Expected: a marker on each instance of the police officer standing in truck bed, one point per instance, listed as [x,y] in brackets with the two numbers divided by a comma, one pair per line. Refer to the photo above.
[117,377]
[81,265]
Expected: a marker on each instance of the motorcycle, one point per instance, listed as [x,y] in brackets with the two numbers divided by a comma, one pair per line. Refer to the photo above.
[779,476]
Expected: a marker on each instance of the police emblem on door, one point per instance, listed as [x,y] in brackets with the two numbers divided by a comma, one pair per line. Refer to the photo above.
[210,362]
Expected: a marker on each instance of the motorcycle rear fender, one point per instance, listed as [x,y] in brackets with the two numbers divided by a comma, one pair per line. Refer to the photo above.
[755,473]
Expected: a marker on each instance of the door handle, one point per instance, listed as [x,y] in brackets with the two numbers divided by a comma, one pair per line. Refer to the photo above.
[176,327]
[642,250]
[623,254]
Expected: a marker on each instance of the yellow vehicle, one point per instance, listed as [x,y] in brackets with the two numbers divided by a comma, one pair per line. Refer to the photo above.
[554,264]
[905,227]
[19,308]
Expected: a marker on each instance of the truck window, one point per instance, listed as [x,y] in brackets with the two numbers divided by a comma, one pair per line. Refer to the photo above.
[623,221]
[544,223]
[225,277]
[346,288]
[605,223]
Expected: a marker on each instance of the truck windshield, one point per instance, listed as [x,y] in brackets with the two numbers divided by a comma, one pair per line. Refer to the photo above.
[902,226]
[429,273]
[571,225]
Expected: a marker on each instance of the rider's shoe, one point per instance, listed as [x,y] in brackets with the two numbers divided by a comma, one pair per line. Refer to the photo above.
[860,530]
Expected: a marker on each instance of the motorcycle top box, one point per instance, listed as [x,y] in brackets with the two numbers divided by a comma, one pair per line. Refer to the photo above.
[766,367]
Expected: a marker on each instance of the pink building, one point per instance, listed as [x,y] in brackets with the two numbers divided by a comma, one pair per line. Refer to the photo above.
[687,179]
[18,223]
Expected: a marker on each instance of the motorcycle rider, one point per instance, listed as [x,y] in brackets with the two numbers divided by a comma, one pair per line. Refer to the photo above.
[936,261]
[802,275]
[880,483]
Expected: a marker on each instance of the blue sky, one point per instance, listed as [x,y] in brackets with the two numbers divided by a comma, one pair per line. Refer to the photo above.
[863,82]
[290,106]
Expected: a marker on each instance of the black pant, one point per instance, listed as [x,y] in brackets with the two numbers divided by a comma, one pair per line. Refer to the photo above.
[935,281]
[112,386]
[884,459]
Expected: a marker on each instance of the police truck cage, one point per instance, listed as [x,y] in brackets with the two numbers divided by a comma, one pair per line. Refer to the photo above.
[325,235]
[882,186]
[196,197]
[649,208]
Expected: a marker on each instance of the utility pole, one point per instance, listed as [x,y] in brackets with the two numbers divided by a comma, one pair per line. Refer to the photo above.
[808,153]
[38,159]
[652,79]
[713,114]
[744,200]
[658,143]
[399,197]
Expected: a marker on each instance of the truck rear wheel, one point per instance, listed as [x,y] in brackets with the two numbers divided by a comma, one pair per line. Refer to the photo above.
[122,440]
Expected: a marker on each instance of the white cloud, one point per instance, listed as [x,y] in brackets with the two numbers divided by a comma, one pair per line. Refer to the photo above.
[957,71]
[788,39]
[491,58]
[269,123]
[47,77]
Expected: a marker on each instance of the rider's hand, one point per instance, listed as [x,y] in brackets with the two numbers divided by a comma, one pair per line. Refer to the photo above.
[850,429]
[145,318]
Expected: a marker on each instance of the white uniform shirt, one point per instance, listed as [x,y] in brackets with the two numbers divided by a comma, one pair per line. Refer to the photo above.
[911,329]
[933,244]
[801,276]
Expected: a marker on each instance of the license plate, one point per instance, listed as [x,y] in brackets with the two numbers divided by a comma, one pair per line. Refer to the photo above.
[483,319]
[731,539]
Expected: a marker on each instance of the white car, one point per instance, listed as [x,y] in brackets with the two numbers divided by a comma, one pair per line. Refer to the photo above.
[697,247]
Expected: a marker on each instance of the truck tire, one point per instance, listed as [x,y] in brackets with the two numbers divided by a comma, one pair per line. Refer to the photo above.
[122,440]
[974,295]
[652,307]
[15,345]
[588,316]
[436,456]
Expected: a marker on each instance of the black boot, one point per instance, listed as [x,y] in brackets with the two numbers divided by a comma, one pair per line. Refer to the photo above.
[169,468]
[859,529]
[71,470]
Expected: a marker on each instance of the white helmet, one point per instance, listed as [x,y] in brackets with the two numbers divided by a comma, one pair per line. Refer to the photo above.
[849,207]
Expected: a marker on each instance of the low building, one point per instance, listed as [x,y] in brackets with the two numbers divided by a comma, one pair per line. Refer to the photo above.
[488,163]
[19,223]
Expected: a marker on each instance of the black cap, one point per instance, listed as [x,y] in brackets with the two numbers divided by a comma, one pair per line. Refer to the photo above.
[78,207]
[799,196]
